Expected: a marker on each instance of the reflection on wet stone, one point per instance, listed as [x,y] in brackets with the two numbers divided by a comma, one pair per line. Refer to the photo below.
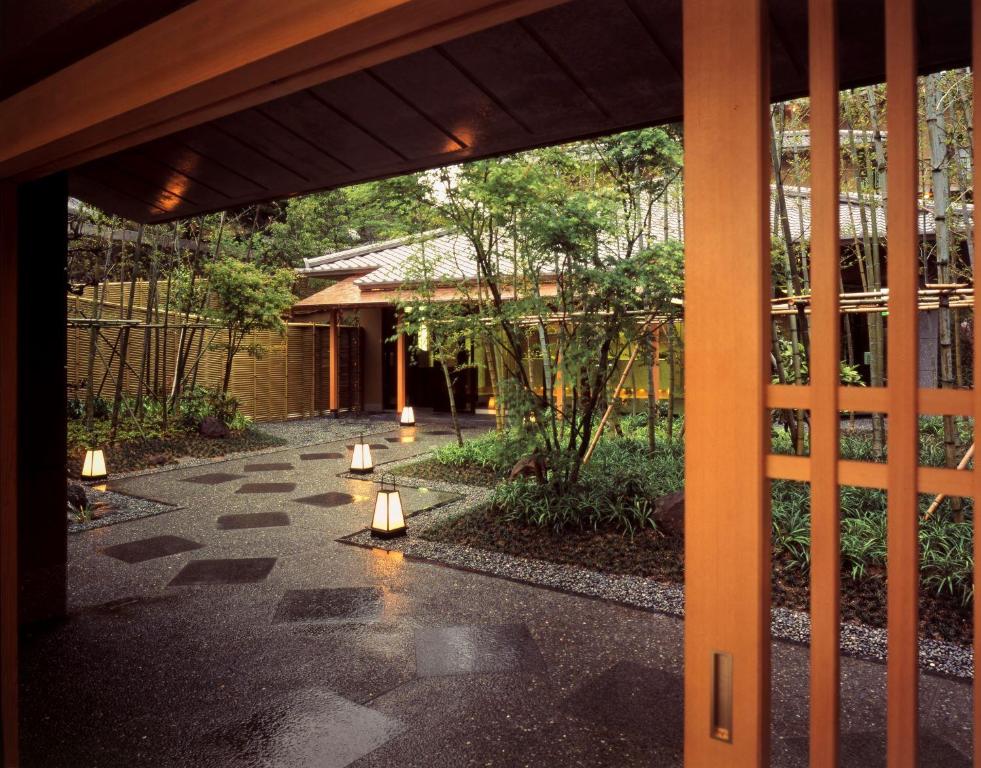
[313,728]
[475,649]
[329,604]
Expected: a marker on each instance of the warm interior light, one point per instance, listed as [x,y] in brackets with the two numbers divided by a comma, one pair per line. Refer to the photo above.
[408,417]
[361,460]
[94,467]
[389,520]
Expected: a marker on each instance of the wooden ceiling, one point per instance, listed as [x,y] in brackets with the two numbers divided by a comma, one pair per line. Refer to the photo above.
[585,68]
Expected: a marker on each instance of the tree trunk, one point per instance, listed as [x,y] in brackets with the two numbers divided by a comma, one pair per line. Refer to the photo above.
[124,342]
[937,135]
[452,397]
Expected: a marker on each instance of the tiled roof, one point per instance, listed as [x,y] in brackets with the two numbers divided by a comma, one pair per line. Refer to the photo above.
[449,256]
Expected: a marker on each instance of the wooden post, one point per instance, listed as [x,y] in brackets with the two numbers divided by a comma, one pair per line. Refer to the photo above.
[8,474]
[334,364]
[903,567]
[825,361]
[727,268]
[976,61]
[401,372]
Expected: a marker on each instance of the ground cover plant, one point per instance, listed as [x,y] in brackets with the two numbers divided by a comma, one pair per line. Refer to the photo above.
[610,523]
[137,444]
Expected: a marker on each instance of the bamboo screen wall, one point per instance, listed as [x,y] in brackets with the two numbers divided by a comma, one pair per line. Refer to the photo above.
[279,383]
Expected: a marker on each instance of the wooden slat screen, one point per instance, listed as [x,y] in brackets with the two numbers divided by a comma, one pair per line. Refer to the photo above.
[277,384]
[901,399]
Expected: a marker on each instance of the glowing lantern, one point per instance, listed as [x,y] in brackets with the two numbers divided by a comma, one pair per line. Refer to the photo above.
[389,520]
[361,460]
[408,417]
[94,467]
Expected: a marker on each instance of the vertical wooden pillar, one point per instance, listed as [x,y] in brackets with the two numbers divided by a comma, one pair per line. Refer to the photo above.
[8,474]
[334,364]
[401,372]
[42,245]
[903,567]
[825,357]
[976,61]
[727,267]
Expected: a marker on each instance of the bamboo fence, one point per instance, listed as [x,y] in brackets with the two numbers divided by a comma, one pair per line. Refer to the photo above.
[278,383]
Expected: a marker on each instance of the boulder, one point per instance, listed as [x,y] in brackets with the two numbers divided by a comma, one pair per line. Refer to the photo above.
[78,499]
[213,428]
[157,460]
[669,513]
[530,466]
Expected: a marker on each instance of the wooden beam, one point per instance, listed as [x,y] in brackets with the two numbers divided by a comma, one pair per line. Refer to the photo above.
[8,474]
[727,314]
[215,57]
[825,376]
[903,567]
[334,364]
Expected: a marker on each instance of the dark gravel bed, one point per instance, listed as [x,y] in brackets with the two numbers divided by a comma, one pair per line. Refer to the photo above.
[134,455]
[431,469]
[117,508]
[648,573]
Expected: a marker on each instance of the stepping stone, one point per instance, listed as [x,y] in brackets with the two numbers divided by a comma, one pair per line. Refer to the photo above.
[213,478]
[267,488]
[317,728]
[440,432]
[867,749]
[373,446]
[244,570]
[316,456]
[329,499]
[642,702]
[341,603]
[150,549]
[273,467]
[252,520]
[472,650]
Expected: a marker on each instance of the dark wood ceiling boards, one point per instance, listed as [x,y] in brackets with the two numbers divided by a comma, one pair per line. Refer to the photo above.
[581,69]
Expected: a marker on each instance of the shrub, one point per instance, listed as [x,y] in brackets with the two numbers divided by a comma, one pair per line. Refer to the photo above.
[493,451]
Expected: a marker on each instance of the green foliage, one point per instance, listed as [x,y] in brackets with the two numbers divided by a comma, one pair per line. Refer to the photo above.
[493,451]
[250,298]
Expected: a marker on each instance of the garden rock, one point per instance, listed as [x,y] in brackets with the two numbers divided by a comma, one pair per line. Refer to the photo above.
[78,499]
[530,466]
[669,513]
[213,428]
[157,460]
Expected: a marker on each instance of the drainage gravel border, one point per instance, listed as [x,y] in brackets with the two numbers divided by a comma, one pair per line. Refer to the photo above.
[857,640]
[125,509]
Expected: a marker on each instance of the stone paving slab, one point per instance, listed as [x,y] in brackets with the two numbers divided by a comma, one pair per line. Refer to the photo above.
[252,520]
[243,570]
[150,549]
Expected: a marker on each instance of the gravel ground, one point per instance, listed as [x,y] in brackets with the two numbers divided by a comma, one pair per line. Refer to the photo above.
[124,508]
[856,640]
[296,432]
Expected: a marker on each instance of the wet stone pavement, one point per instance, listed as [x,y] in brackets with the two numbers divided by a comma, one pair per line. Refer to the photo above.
[237,631]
